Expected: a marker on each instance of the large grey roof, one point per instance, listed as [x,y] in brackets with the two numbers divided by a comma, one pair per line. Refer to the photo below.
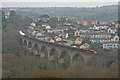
[111,42]
[100,38]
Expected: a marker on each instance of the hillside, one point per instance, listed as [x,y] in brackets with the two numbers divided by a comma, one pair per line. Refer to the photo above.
[96,13]
[18,62]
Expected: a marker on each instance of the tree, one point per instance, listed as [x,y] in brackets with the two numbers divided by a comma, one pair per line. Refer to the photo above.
[86,40]
[53,19]
[12,13]
[63,19]
[44,16]
[3,16]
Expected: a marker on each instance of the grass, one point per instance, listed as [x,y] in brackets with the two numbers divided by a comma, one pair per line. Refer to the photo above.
[72,39]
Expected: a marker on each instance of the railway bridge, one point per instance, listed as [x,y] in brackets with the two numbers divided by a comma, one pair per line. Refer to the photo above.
[66,55]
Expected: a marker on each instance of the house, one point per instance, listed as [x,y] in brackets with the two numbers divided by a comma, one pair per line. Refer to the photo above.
[84,23]
[102,22]
[67,24]
[84,30]
[85,46]
[48,27]
[85,34]
[58,39]
[103,37]
[117,25]
[115,38]
[90,28]
[38,35]
[33,24]
[44,38]
[7,15]
[52,40]
[78,41]
[56,30]
[100,35]
[66,35]
[78,22]
[96,27]
[99,40]
[63,35]
[30,29]
[100,27]
[44,25]
[111,45]
[77,33]
[93,22]
[34,33]
[112,30]
[59,29]
[112,22]
[44,19]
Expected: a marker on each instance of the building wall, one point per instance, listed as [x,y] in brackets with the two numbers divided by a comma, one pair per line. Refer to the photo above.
[110,45]
[78,41]
[77,33]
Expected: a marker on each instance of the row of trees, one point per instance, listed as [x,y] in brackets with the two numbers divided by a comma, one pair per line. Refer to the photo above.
[11,26]
[52,21]
[4,20]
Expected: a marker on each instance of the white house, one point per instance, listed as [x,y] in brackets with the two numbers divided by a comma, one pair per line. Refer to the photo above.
[30,29]
[48,27]
[33,24]
[96,27]
[56,30]
[100,27]
[112,30]
[63,35]
[34,33]
[115,38]
[7,15]
[111,45]
[38,35]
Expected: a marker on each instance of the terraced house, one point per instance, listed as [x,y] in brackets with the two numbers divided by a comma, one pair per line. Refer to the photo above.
[111,45]
[100,37]
[100,27]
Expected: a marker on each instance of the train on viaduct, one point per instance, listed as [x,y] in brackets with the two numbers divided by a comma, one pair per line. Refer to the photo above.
[61,54]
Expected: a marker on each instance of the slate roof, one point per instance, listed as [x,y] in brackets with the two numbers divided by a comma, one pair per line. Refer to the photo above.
[100,38]
[111,42]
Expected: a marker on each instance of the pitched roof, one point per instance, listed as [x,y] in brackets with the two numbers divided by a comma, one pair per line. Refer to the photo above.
[100,38]
[111,42]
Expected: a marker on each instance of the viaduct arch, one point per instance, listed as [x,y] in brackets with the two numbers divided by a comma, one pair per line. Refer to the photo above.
[66,55]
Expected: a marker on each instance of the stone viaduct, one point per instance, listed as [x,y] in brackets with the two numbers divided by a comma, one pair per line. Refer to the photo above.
[65,54]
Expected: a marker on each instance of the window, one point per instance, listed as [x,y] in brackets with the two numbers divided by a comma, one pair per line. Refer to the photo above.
[111,45]
[76,33]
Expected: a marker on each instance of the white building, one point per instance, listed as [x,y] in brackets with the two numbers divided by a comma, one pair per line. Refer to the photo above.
[112,30]
[111,45]
[30,29]
[63,35]
[115,38]
[48,27]
[100,27]
[33,24]
[7,15]
[38,35]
